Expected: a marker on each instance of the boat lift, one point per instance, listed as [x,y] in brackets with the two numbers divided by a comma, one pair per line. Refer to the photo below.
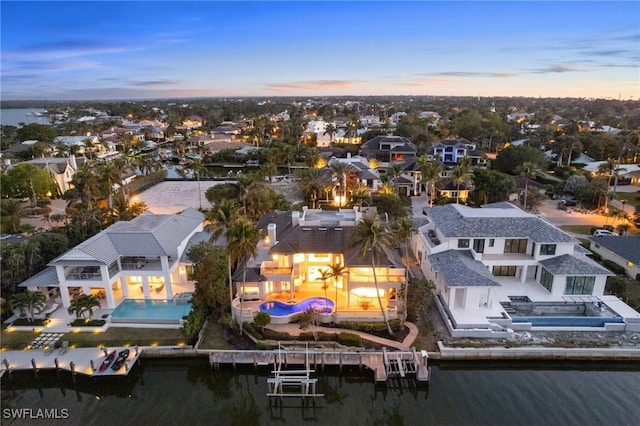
[292,383]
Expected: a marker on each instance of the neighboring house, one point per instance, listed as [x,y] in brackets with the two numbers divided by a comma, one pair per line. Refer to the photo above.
[80,141]
[138,259]
[624,251]
[454,150]
[485,261]
[294,250]
[449,189]
[365,175]
[626,171]
[389,149]
[193,122]
[61,169]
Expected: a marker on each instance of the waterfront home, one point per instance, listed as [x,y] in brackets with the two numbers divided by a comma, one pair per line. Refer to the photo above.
[139,259]
[294,255]
[498,269]
[623,251]
[363,174]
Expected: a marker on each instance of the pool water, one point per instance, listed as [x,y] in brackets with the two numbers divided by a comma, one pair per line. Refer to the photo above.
[279,309]
[149,311]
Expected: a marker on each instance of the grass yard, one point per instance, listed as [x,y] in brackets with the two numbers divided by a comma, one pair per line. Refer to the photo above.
[121,336]
[16,340]
[632,199]
[577,229]
[213,337]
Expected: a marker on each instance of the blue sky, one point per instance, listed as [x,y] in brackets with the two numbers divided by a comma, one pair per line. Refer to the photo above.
[147,49]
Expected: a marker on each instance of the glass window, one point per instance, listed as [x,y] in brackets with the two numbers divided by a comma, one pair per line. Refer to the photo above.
[478,245]
[504,271]
[579,285]
[515,246]
[463,243]
[548,249]
[546,279]
[491,242]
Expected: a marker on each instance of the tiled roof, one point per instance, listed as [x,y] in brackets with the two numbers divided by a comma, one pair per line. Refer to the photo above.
[459,269]
[45,278]
[567,264]
[253,275]
[461,221]
[323,240]
[626,247]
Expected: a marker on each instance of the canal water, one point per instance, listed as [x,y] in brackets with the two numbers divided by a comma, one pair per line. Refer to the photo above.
[187,392]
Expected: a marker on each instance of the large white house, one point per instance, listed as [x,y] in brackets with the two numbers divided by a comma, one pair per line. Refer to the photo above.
[144,258]
[498,269]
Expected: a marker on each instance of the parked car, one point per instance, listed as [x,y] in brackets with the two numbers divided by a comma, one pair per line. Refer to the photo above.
[604,233]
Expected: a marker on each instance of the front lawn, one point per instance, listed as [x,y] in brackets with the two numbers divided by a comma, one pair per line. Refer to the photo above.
[17,340]
[632,199]
[577,229]
[214,336]
[122,336]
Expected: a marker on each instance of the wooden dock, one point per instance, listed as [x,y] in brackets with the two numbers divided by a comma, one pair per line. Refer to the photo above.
[84,361]
[384,364]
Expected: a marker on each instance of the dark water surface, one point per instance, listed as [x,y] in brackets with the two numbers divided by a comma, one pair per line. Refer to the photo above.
[187,391]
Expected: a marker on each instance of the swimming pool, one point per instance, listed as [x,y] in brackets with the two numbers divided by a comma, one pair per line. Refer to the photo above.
[151,311]
[279,309]
[561,314]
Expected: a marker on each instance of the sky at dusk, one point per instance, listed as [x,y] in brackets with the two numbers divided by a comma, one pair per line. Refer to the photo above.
[148,49]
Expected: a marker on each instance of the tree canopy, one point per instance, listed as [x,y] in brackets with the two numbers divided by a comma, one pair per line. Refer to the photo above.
[510,158]
[28,180]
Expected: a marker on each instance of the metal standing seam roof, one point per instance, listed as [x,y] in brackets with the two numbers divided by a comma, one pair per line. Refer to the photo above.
[459,269]
[568,264]
[45,278]
[627,247]
[146,235]
[453,224]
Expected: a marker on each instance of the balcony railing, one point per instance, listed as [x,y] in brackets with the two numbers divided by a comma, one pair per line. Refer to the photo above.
[147,265]
[82,276]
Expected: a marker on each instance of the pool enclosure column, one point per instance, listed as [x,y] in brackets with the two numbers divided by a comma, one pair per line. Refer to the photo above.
[523,274]
[124,287]
[145,287]
[164,261]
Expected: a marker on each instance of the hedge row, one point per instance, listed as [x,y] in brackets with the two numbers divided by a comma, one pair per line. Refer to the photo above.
[613,267]
[370,327]
[349,339]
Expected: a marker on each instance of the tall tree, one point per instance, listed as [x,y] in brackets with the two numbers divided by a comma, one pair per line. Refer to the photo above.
[460,176]
[331,130]
[527,170]
[430,173]
[340,170]
[221,217]
[403,229]
[371,237]
[28,180]
[10,213]
[242,238]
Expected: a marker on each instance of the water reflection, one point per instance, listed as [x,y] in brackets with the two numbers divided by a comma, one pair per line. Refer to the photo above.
[186,391]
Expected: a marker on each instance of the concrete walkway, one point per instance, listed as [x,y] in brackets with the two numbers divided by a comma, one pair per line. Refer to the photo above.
[294,330]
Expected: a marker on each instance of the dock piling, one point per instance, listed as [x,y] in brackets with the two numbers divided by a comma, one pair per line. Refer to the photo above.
[93,368]
[35,367]
[72,365]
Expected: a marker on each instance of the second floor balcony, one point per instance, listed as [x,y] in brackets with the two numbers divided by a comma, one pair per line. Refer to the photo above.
[83,273]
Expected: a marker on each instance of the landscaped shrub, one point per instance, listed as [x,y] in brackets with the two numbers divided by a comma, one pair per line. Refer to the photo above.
[613,267]
[349,339]
[84,323]
[275,335]
[321,336]
[595,256]
[617,286]
[31,323]
[249,328]
[370,327]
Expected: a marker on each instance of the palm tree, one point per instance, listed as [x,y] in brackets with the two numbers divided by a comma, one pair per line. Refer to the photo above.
[371,237]
[340,170]
[28,302]
[337,271]
[325,275]
[430,174]
[197,168]
[330,130]
[607,170]
[393,173]
[403,230]
[527,170]
[221,218]
[90,302]
[76,307]
[10,212]
[311,183]
[242,238]
[459,174]
[270,169]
